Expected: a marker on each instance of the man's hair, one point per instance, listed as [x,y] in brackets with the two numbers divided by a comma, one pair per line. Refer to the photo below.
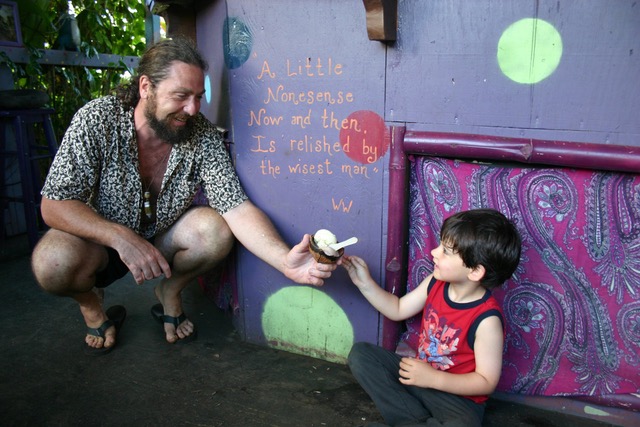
[484,237]
[155,64]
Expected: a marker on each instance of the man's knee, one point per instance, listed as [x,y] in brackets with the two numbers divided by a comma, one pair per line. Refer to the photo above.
[202,231]
[45,263]
[59,262]
[217,231]
[217,237]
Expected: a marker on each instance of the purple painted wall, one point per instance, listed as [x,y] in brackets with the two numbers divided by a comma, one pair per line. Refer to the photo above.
[309,146]
[210,40]
[444,73]
[447,72]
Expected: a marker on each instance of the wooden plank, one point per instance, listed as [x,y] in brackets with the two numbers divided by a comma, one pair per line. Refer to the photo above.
[20,55]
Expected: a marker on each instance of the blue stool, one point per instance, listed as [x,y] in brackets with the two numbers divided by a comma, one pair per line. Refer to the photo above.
[34,158]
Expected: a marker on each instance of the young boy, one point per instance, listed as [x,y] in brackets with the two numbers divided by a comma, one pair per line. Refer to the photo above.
[459,357]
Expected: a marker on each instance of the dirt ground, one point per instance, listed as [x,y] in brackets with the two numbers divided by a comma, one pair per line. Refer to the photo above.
[217,380]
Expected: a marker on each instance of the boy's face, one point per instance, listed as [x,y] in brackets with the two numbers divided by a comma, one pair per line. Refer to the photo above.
[448,266]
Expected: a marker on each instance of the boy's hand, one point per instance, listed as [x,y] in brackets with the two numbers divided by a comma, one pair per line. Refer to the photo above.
[416,372]
[357,269]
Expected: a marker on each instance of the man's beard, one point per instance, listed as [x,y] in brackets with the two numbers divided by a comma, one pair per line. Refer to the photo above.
[163,130]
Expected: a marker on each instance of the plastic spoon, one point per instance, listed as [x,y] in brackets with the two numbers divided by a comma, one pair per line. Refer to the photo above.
[351,241]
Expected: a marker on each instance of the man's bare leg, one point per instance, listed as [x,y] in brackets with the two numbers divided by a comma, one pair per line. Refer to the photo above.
[196,243]
[66,265]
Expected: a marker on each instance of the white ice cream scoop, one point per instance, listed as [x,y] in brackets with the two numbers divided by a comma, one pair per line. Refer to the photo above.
[324,237]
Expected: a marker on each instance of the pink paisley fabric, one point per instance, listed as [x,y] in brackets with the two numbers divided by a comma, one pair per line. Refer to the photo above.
[573,307]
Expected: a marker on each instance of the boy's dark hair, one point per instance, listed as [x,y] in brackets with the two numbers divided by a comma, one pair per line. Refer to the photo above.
[155,64]
[484,237]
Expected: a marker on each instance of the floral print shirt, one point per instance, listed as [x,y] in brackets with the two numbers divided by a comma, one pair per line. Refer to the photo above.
[97,163]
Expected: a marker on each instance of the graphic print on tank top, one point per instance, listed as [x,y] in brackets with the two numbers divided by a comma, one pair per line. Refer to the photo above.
[438,340]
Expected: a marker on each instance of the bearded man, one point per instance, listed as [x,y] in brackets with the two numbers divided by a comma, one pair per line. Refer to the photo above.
[118,199]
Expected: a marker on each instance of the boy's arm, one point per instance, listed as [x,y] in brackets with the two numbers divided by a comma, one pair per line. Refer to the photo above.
[488,353]
[388,304]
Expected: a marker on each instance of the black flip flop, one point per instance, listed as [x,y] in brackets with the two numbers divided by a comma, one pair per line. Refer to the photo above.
[115,317]
[157,311]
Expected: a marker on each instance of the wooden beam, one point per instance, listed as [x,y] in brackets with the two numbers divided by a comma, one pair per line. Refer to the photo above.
[382,19]
[20,55]
[180,16]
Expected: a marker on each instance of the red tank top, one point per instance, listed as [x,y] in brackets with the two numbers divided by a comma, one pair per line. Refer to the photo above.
[449,330]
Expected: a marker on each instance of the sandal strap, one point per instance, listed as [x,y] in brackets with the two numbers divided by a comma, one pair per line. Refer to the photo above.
[100,331]
[175,321]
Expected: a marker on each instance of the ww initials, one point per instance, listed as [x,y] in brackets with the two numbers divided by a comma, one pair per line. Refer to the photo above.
[341,205]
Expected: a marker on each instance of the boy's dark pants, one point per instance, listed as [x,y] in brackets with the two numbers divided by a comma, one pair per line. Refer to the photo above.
[377,371]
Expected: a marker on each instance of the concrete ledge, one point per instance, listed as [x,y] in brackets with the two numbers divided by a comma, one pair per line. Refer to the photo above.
[573,408]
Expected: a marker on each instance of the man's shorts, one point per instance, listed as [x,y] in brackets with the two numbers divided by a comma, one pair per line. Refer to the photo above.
[115,270]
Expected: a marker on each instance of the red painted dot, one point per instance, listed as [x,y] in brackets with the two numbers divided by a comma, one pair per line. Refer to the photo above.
[362,137]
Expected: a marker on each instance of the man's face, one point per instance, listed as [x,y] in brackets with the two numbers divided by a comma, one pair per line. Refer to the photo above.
[172,104]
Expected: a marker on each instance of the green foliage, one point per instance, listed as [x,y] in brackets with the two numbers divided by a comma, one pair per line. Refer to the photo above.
[108,26]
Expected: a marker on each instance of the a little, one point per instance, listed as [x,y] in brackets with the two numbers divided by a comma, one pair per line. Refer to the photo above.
[459,358]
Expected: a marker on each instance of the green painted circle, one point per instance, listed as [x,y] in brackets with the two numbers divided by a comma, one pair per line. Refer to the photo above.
[305,320]
[529,50]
